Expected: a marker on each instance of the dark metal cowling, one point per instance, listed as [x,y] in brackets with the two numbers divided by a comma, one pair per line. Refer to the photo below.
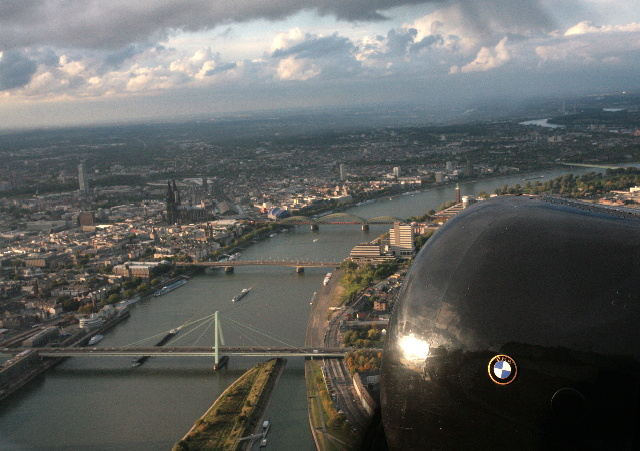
[518,329]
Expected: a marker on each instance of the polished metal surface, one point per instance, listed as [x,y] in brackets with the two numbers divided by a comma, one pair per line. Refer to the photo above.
[517,328]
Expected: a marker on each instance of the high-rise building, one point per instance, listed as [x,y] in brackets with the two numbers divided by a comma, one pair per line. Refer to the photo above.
[396,171]
[82,179]
[401,240]
[343,171]
[439,177]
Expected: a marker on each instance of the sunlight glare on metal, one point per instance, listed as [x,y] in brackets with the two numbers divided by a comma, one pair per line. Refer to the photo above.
[414,348]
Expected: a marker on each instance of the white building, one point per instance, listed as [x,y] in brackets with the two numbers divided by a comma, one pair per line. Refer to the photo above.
[401,240]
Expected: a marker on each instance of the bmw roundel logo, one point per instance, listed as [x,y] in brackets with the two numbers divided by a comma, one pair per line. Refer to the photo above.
[502,369]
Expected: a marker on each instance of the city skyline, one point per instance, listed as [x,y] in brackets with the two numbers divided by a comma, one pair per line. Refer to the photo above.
[92,62]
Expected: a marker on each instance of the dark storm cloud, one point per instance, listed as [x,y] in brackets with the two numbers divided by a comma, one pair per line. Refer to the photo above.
[115,59]
[399,40]
[315,47]
[425,43]
[16,70]
[117,23]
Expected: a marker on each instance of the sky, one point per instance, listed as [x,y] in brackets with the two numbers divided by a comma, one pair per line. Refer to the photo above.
[68,62]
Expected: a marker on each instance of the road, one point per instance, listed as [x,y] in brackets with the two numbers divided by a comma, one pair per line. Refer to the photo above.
[320,333]
[318,322]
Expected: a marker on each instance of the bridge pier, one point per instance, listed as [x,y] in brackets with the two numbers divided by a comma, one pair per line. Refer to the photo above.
[314,227]
[365,227]
[228,269]
[300,269]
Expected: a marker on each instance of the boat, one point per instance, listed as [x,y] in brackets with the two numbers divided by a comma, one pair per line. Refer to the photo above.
[242,294]
[133,300]
[168,288]
[272,235]
[327,278]
[221,363]
[162,342]
[95,339]
[316,240]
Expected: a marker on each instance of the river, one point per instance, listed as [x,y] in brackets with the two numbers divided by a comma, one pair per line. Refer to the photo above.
[102,404]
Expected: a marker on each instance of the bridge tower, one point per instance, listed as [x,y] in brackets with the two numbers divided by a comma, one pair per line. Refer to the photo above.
[219,362]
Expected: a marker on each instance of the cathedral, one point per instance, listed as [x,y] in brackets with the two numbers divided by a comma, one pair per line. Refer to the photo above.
[178,213]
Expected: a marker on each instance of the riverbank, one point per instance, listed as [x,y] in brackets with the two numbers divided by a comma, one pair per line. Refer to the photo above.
[236,413]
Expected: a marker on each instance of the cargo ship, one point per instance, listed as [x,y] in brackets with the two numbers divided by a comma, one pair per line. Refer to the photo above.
[242,294]
[162,342]
[168,288]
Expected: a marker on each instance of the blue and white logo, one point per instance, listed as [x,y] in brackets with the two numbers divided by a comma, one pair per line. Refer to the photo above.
[502,369]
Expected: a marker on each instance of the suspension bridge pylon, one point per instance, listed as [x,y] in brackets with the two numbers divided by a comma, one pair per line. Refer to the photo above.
[219,362]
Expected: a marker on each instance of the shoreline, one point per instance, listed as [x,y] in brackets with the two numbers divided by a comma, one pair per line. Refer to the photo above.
[217,424]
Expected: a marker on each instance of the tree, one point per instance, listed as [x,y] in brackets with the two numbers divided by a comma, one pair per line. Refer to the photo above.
[181,446]
[86,309]
[114,298]
[143,287]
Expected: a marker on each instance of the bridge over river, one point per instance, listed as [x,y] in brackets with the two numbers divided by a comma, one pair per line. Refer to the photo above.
[339,219]
[164,351]
[298,264]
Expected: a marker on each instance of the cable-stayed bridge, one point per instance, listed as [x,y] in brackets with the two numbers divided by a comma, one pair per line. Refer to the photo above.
[186,351]
[217,351]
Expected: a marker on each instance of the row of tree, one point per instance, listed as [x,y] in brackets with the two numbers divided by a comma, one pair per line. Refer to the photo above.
[363,360]
[364,338]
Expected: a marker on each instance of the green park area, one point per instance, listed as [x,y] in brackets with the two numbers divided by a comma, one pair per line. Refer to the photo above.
[236,413]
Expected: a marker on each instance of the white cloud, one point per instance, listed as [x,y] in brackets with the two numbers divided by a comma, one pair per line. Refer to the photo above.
[587,27]
[284,40]
[488,59]
[297,69]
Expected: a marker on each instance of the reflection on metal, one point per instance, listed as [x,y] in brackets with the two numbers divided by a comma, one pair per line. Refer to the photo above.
[414,348]
[547,283]
[502,369]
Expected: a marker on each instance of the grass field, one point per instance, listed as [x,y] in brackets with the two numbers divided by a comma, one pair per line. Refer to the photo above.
[234,415]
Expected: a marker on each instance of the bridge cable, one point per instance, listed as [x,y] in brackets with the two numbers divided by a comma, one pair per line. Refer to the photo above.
[246,335]
[204,331]
[164,333]
[261,333]
[194,329]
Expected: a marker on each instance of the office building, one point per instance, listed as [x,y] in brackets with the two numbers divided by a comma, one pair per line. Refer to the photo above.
[82,179]
[401,240]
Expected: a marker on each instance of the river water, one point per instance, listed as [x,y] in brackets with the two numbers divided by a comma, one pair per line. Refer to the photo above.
[102,404]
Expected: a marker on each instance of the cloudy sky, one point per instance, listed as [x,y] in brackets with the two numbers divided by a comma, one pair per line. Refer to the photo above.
[91,61]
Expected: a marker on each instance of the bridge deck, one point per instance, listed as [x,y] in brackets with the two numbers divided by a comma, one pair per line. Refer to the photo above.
[157,351]
[306,264]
